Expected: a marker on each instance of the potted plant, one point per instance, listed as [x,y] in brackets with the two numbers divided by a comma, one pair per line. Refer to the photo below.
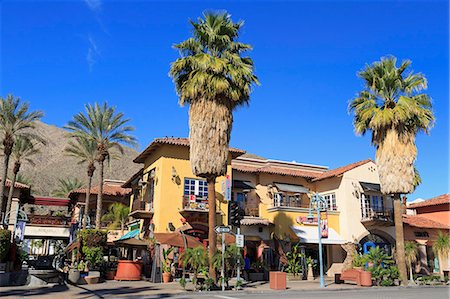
[73,275]
[197,259]
[359,260]
[294,267]
[166,265]
[111,271]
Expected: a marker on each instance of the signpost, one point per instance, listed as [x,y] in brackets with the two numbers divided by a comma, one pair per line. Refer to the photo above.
[240,241]
[222,230]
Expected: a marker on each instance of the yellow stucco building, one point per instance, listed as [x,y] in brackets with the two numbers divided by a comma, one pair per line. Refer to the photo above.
[275,196]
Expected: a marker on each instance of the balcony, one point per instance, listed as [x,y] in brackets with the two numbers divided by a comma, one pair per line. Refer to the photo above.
[194,204]
[141,209]
[381,217]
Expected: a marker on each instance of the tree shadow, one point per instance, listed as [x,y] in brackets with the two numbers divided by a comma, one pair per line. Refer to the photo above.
[28,292]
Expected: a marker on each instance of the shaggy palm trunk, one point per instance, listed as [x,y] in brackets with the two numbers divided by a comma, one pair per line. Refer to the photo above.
[88,197]
[212,237]
[3,182]
[99,197]
[11,189]
[399,239]
[210,123]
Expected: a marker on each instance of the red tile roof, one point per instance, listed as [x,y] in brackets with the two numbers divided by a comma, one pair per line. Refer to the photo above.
[108,189]
[341,170]
[17,185]
[175,141]
[438,200]
[422,222]
[276,170]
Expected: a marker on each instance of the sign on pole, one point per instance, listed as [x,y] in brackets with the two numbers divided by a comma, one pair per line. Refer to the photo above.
[240,241]
[324,224]
[222,229]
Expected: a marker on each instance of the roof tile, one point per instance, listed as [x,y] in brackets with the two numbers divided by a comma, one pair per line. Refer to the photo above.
[438,200]
[341,170]
[422,222]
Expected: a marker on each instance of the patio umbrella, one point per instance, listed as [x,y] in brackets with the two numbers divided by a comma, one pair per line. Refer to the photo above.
[176,239]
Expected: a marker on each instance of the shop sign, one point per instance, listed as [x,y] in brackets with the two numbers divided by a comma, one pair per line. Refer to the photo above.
[323,222]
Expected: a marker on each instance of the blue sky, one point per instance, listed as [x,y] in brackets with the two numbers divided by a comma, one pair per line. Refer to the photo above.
[61,54]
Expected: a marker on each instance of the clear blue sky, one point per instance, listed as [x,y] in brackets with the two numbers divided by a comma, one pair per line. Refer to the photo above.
[61,54]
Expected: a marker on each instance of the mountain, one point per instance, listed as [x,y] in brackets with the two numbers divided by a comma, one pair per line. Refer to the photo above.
[51,164]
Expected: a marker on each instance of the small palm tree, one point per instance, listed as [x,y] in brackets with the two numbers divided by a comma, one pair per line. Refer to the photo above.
[85,150]
[15,121]
[441,247]
[23,151]
[411,251]
[65,186]
[392,107]
[213,77]
[196,258]
[108,130]
[117,215]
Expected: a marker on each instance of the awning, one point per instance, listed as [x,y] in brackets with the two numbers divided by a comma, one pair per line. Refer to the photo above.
[370,187]
[131,242]
[291,188]
[130,234]
[309,234]
[242,185]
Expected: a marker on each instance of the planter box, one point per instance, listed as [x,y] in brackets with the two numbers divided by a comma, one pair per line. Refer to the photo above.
[256,276]
[91,279]
[277,280]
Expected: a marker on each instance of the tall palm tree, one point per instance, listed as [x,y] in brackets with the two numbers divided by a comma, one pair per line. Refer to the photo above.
[23,151]
[393,108]
[15,120]
[108,129]
[441,247]
[411,251]
[213,77]
[117,215]
[85,150]
[65,186]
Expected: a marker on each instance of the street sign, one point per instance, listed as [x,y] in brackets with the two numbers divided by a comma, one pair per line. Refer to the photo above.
[240,241]
[222,229]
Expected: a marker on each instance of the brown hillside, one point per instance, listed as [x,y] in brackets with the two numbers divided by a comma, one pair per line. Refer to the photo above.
[52,163]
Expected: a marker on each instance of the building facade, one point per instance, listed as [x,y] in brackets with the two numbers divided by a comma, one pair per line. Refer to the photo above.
[275,196]
[422,224]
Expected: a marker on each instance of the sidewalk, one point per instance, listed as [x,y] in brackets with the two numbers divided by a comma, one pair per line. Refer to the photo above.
[144,288]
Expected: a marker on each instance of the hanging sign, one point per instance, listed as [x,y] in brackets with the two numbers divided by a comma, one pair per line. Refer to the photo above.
[19,232]
[324,224]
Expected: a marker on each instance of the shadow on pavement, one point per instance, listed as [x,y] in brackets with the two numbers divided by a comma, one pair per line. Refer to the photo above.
[28,292]
[103,293]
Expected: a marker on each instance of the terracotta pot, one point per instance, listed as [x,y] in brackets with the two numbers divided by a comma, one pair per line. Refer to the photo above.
[166,277]
[128,270]
[110,274]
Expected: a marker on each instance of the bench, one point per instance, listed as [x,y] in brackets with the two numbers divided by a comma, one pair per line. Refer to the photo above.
[361,277]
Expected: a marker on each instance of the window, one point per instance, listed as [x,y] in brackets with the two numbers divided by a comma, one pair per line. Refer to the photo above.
[331,201]
[196,187]
[287,200]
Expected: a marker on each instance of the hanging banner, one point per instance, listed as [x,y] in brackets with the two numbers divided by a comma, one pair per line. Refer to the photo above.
[324,224]
[19,231]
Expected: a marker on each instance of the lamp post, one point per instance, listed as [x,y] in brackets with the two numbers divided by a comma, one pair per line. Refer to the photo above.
[319,203]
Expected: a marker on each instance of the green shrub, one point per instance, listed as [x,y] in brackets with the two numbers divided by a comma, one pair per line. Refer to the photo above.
[384,276]
[94,255]
[93,237]
[359,260]
[5,243]
[294,261]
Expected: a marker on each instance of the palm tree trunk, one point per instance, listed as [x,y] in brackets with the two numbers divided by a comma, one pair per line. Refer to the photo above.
[399,238]
[212,237]
[11,192]
[411,278]
[99,197]
[3,183]
[88,197]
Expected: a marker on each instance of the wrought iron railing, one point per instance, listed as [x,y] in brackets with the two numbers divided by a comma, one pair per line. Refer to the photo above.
[382,214]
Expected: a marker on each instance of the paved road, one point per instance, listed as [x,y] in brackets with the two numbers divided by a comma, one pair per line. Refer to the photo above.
[385,293]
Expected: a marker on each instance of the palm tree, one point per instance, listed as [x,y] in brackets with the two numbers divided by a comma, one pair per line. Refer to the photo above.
[117,215]
[393,108]
[411,251]
[65,186]
[85,150]
[23,179]
[213,78]
[23,150]
[108,130]
[197,258]
[15,121]
[441,247]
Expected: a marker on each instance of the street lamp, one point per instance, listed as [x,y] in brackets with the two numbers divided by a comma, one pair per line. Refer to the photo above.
[320,204]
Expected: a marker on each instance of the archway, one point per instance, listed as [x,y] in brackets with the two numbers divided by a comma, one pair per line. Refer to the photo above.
[376,238]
